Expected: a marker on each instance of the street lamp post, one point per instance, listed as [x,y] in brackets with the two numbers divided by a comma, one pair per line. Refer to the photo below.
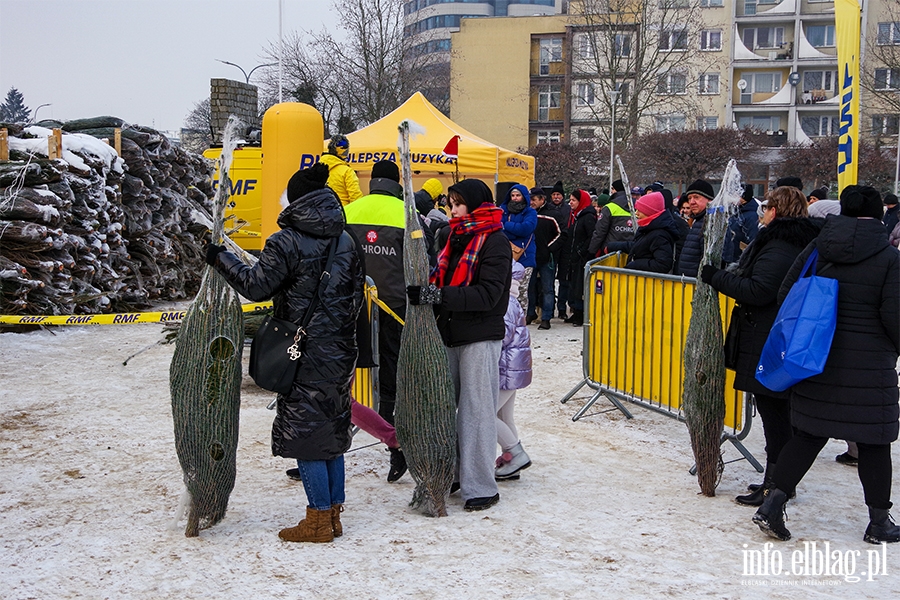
[246,74]
[34,114]
[613,96]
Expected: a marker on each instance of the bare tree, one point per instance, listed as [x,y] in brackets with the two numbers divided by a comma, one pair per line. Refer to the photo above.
[816,163]
[359,77]
[569,163]
[197,133]
[641,49]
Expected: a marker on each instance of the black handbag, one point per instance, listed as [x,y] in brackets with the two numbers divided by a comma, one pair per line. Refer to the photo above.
[278,344]
[732,344]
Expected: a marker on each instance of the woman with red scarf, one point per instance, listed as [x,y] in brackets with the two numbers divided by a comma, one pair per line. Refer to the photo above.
[582,220]
[470,289]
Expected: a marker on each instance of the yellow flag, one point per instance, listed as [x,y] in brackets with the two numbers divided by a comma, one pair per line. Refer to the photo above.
[846,21]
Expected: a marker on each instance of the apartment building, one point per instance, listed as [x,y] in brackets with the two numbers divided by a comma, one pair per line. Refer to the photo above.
[714,63]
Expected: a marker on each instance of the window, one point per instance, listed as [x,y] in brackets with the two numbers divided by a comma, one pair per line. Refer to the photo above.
[749,7]
[709,84]
[585,94]
[548,97]
[820,35]
[711,39]
[672,83]
[711,3]
[761,122]
[622,88]
[674,3]
[706,123]
[762,83]
[673,39]
[548,137]
[885,124]
[887,79]
[819,80]
[586,134]
[622,45]
[670,123]
[889,33]
[551,51]
[585,47]
[763,37]
[820,126]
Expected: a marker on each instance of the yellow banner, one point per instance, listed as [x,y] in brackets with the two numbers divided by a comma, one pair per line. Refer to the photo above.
[846,21]
[112,318]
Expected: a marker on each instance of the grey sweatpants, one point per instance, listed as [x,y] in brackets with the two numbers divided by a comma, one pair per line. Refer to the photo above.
[476,375]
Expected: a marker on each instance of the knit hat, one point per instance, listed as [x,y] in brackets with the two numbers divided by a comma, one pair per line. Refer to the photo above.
[474,192]
[704,188]
[651,204]
[819,193]
[790,181]
[861,201]
[305,181]
[433,187]
[637,190]
[747,196]
[558,187]
[890,199]
[656,186]
[618,185]
[386,169]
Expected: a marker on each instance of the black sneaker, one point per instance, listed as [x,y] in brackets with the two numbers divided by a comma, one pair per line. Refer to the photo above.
[294,474]
[544,325]
[530,319]
[482,503]
[398,465]
[847,459]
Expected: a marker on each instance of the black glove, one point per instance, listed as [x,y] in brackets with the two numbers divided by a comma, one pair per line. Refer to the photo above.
[707,272]
[429,294]
[212,251]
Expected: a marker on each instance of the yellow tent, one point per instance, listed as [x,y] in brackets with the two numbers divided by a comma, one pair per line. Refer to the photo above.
[478,158]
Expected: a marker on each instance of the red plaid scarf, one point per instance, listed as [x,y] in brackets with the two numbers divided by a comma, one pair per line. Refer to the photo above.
[481,222]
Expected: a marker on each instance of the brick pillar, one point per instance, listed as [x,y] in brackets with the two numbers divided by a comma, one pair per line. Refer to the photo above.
[227,97]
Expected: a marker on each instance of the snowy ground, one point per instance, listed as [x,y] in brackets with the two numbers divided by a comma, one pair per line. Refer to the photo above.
[90,486]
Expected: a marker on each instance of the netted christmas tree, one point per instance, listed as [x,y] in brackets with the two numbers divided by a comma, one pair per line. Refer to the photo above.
[704,362]
[205,379]
[425,406]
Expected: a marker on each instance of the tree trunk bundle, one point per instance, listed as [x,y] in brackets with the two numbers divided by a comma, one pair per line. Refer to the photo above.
[76,241]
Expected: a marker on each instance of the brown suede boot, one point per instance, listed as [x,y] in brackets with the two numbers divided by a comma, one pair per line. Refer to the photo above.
[316,527]
[336,527]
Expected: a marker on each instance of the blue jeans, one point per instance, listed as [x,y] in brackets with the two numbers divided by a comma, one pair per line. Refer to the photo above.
[544,296]
[323,481]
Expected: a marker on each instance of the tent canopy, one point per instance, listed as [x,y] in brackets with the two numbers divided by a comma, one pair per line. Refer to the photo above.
[477,157]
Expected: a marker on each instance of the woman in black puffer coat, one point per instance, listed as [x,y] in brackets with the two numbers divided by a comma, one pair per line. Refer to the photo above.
[755,284]
[312,422]
[582,221]
[855,397]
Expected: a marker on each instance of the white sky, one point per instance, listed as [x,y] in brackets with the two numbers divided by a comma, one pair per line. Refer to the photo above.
[145,61]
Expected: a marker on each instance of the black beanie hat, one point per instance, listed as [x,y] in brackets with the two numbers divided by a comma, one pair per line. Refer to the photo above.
[790,181]
[305,181]
[704,188]
[558,187]
[386,169]
[474,191]
[861,201]
[747,196]
[890,199]
[820,193]
[618,186]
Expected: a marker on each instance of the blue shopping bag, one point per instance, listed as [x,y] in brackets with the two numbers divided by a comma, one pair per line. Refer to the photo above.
[800,340]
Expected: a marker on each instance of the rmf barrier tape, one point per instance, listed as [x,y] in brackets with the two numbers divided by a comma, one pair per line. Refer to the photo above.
[635,343]
[113,318]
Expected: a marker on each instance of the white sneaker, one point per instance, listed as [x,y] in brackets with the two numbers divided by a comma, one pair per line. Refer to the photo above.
[511,469]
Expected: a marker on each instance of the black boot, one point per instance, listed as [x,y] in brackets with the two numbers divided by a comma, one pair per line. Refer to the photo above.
[770,516]
[578,318]
[398,465]
[881,527]
[758,492]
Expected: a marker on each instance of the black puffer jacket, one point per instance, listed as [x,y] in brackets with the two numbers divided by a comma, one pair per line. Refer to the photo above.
[692,251]
[313,421]
[755,286]
[653,247]
[855,397]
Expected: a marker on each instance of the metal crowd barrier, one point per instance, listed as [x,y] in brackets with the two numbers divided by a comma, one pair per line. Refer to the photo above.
[634,336]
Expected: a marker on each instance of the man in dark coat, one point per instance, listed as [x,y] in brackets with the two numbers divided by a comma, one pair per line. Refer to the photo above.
[614,222]
[541,288]
[559,210]
[699,194]
[855,398]
[892,214]
[312,422]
